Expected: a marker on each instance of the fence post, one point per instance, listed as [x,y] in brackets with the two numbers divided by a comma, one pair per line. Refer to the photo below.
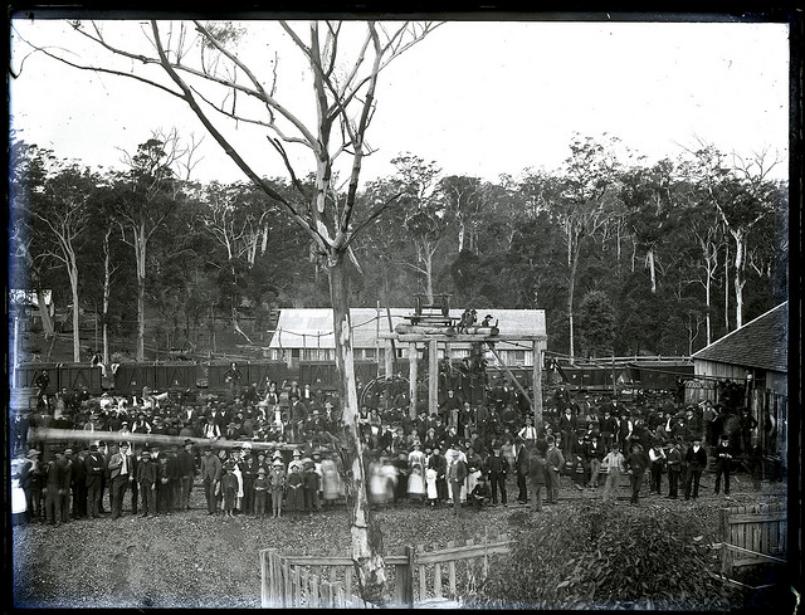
[264,578]
[437,576]
[406,578]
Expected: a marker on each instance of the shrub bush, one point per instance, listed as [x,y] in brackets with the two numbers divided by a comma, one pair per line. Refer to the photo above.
[594,556]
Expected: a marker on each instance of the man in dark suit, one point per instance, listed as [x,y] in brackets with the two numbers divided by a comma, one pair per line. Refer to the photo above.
[57,485]
[121,471]
[522,465]
[79,485]
[457,474]
[439,463]
[186,462]
[497,470]
[95,466]
[448,405]
[696,459]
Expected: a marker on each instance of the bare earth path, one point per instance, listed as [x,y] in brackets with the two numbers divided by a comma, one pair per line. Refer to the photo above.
[194,560]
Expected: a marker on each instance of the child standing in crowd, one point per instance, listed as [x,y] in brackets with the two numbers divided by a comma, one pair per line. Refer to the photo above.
[311,487]
[674,470]
[614,466]
[260,490]
[430,479]
[276,482]
[555,461]
[229,486]
[296,497]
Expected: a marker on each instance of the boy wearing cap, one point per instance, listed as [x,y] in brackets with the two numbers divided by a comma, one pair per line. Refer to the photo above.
[310,482]
[229,488]
[276,482]
[147,479]
[260,488]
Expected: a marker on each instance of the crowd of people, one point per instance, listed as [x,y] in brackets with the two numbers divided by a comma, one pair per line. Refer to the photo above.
[459,454]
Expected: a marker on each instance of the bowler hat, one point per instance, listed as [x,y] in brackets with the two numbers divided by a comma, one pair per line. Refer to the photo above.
[33,453]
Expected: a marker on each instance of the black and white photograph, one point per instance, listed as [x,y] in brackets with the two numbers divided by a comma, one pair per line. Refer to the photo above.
[368,312]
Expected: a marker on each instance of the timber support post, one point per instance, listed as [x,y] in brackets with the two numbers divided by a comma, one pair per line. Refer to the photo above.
[536,383]
[413,357]
[433,377]
[389,359]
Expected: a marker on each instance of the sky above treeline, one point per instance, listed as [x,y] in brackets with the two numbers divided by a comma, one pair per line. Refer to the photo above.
[479,98]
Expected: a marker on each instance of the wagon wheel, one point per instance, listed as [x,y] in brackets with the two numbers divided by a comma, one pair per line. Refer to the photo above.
[378,385]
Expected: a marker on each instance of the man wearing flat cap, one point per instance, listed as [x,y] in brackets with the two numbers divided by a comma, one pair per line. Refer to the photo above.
[121,471]
[147,478]
[211,475]
[30,481]
[186,466]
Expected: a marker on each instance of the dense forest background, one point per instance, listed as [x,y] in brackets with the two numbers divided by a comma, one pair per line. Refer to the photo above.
[624,255]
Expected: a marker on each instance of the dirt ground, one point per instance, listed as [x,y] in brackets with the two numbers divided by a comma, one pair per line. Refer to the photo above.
[192,560]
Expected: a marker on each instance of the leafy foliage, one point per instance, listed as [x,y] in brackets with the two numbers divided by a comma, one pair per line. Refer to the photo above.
[612,557]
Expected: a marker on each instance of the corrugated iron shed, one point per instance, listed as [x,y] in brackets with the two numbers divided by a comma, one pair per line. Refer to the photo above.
[761,343]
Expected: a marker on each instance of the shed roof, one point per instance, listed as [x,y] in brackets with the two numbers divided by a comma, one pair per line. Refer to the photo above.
[313,327]
[761,343]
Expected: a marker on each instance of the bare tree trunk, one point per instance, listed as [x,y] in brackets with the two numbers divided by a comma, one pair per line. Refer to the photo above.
[634,253]
[107,276]
[740,249]
[73,275]
[727,286]
[367,543]
[570,293]
[461,232]
[652,270]
[140,246]
[707,284]
[618,240]
[429,276]
[44,314]
[140,318]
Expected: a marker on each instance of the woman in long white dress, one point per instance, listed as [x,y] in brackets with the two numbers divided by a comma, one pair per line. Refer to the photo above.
[330,481]
[416,477]
[18,504]
[377,483]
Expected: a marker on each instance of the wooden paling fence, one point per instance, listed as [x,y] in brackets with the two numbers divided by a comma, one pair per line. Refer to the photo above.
[415,575]
[753,535]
